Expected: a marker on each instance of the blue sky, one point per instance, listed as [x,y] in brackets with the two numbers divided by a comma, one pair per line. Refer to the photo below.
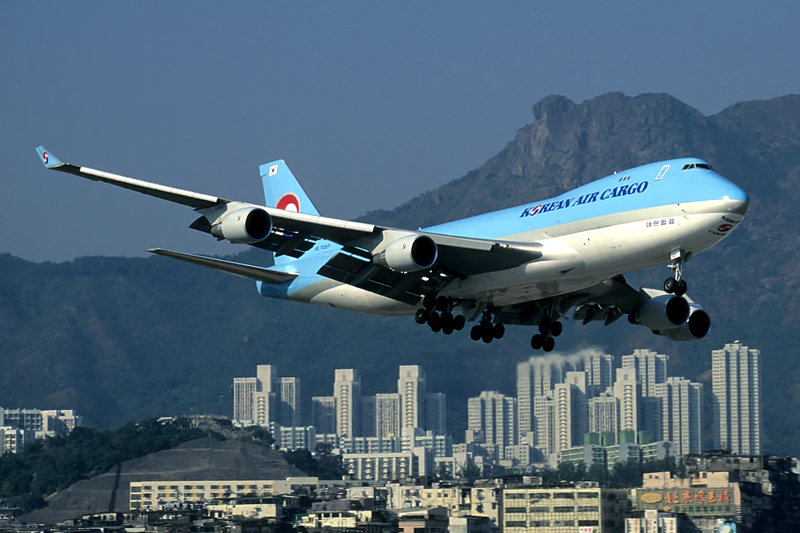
[370,103]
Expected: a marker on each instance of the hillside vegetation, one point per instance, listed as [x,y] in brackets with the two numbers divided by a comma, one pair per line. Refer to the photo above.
[54,463]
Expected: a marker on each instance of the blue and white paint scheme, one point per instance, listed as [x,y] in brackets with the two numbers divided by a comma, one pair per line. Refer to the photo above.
[525,265]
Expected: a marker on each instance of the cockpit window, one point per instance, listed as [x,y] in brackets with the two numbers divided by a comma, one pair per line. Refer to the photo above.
[689,166]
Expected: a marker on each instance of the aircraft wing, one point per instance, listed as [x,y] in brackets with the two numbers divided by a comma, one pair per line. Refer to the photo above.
[294,234]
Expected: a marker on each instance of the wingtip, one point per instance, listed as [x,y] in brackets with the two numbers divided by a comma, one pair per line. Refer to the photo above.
[47,158]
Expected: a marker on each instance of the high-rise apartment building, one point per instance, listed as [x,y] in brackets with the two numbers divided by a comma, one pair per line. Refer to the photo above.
[323,414]
[599,370]
[411,388]
[436,413]
[494,416]
[603,414]
[347,392]
[650,368]
[387,415]
[626,391]
[681,414]
[291,413]
[251,405]
[570,411]
[243,390]
[545,428]
[537,377]
[266,399]
[368,417]
[736,395]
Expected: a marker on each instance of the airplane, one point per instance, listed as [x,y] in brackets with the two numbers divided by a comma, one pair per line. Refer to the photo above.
[523,265]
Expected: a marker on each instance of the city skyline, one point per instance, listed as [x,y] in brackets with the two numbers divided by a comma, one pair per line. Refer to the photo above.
[562,403]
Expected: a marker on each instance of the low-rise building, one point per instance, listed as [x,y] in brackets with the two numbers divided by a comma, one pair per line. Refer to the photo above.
[388,466]
[13,440]
[159,495]
[563,509]
[705,499]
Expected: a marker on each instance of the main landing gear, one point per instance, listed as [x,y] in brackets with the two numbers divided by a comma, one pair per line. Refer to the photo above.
[438,314]
[547,331]
[486,330]
[676,285]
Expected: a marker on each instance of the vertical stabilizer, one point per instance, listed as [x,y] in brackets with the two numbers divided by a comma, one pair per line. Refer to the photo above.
[283,191]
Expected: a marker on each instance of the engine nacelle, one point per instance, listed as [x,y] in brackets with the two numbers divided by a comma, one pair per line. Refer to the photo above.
[244,226]
[408,254]
[661,311]
[695,328]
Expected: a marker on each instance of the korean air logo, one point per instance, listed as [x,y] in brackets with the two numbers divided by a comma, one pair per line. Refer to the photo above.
[724,228]
[45,158]
[289,202]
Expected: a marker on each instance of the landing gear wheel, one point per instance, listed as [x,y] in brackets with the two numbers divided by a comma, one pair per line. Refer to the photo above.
[475,333]
[556,328]
[441,303]
[670,285]
[680,288]
[421,316]
[447,323]
[544,326]
[537,341]
[428,301]
[549,344]
[435,322]
[498,331]
[488,335]
[459,322]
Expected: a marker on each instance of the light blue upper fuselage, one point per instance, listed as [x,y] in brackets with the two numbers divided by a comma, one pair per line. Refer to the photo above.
[628,190]
[664,183]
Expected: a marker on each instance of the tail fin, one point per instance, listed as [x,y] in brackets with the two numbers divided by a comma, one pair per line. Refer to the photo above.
[283,191]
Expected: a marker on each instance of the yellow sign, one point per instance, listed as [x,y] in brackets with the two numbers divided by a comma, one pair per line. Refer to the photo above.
[651,497]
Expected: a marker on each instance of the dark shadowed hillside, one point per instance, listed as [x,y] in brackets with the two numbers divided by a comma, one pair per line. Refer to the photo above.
[127,338]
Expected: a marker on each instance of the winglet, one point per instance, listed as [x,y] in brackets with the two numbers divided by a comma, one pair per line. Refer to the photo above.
[47,158]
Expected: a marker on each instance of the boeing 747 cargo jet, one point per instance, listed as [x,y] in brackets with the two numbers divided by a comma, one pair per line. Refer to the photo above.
[526,265]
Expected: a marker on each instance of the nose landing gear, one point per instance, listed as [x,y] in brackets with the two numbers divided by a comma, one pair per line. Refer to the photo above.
[676,285]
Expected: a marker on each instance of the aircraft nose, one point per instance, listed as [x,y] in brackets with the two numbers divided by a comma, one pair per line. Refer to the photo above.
[738,199]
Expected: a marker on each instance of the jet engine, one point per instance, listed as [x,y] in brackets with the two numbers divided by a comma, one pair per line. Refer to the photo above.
[660,311]
[409,253]
[695,328]
[243,226]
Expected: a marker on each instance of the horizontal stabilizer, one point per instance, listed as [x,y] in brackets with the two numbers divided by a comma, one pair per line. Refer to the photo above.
[253,272]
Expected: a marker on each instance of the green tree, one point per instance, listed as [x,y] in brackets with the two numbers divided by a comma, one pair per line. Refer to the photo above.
[470,471]
[329,464]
